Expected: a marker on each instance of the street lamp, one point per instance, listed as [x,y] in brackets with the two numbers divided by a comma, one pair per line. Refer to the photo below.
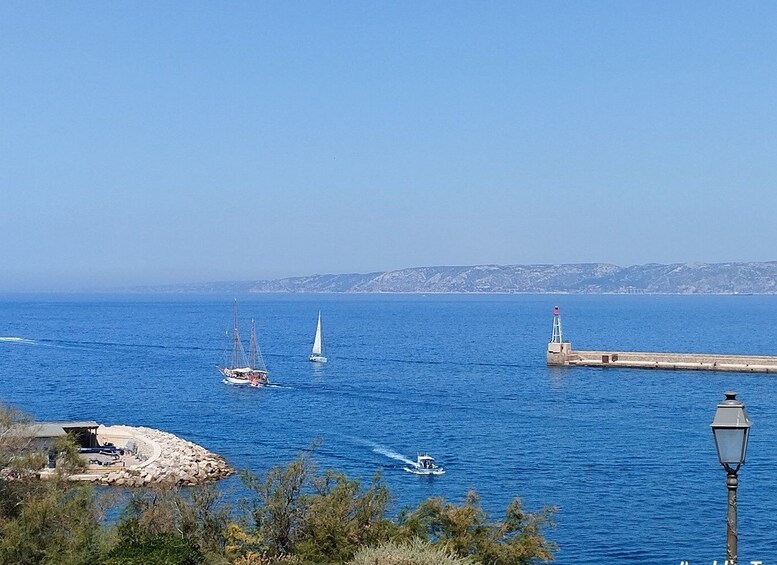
[731,428]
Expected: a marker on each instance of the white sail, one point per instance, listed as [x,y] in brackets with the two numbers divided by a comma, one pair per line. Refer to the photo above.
[317,339]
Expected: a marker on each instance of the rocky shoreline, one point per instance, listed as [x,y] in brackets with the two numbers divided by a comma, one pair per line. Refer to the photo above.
[154,457]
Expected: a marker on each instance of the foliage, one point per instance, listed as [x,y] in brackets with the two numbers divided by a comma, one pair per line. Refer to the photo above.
[318,518]
[252,558]
[327,518]
[417,552]
[160,549]
[196,516]
[20,461]
[340,516]
[54,525]
[238,542]
[278,512]
[294,516]
[18,457]
[466,530]
[68,459]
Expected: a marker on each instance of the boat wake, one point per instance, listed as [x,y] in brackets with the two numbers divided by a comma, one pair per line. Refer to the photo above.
[16,340]
[390,453]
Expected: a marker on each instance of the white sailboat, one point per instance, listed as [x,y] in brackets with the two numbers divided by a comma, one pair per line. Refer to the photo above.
[242,371]
[316,355]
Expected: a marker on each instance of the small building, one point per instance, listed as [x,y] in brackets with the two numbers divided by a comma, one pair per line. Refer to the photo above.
[84,433]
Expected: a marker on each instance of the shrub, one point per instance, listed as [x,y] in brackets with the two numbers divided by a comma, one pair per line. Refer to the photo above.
[278,510]
[467,531]
[162,549]
[328,518]
[340,516]
[55,524]
[417,552]
[194,515]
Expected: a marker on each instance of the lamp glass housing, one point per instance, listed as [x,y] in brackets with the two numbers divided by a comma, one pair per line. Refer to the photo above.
[730,428]
[731,444]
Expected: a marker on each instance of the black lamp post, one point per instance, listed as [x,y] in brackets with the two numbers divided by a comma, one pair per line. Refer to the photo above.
[731,428]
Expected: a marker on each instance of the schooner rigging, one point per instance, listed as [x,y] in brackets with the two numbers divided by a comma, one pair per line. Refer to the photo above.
[242,371]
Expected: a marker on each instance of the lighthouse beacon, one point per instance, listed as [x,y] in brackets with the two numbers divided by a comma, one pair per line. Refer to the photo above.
[558,349]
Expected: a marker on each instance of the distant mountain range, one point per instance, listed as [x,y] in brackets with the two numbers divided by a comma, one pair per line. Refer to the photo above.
[583,278]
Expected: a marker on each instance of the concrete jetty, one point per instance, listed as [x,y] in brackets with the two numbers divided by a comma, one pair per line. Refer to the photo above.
[560,353]
[149,457]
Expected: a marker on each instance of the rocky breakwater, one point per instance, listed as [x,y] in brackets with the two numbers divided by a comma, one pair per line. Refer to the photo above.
[154,457]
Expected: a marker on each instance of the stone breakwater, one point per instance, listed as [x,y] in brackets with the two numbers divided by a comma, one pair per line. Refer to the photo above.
[153,457]
[563,354]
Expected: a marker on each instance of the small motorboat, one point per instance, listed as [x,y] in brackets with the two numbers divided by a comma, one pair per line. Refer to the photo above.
[424,465]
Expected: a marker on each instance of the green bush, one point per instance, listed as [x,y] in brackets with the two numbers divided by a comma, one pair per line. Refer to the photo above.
[55,524]
[417,552]
[161,549]
[193,514]
[328,518]
[278,510]
[68,459]
[467,530]
[340,516]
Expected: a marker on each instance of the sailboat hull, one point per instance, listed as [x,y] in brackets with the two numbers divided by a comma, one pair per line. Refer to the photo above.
[250,378]
[317,358]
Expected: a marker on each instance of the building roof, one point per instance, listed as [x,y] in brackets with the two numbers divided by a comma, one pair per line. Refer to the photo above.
[56,429]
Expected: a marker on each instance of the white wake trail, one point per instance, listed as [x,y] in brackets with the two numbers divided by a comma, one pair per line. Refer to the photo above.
[392,454]
[383,450]
[17,340]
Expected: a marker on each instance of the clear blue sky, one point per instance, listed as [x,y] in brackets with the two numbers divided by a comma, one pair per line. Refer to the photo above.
[166,142]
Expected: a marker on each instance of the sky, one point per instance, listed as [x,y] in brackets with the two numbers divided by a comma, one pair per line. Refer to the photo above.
[166,142]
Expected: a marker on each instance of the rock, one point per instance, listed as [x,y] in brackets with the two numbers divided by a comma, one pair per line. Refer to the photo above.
[179,462]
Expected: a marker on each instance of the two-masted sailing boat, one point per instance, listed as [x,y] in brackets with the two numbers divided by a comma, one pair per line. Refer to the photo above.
[316,355]
[242,371]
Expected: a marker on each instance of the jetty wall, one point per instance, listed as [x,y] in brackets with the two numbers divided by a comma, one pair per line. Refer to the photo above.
[562,354]
[152,457]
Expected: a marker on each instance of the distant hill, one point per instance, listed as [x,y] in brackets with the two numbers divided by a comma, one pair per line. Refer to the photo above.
[583,278]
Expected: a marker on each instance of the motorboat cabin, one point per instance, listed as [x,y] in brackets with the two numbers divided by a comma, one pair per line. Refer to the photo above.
[425,465]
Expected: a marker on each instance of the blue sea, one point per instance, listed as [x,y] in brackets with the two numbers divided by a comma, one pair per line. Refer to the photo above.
[627,456]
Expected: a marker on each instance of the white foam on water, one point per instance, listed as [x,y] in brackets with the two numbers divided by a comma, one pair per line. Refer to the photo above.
[390,453]
[17,340]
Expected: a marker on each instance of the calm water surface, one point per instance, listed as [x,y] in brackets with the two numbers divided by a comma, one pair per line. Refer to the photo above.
[626,455]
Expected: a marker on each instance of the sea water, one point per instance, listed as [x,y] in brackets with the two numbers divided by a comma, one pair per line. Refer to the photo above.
[627,456]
